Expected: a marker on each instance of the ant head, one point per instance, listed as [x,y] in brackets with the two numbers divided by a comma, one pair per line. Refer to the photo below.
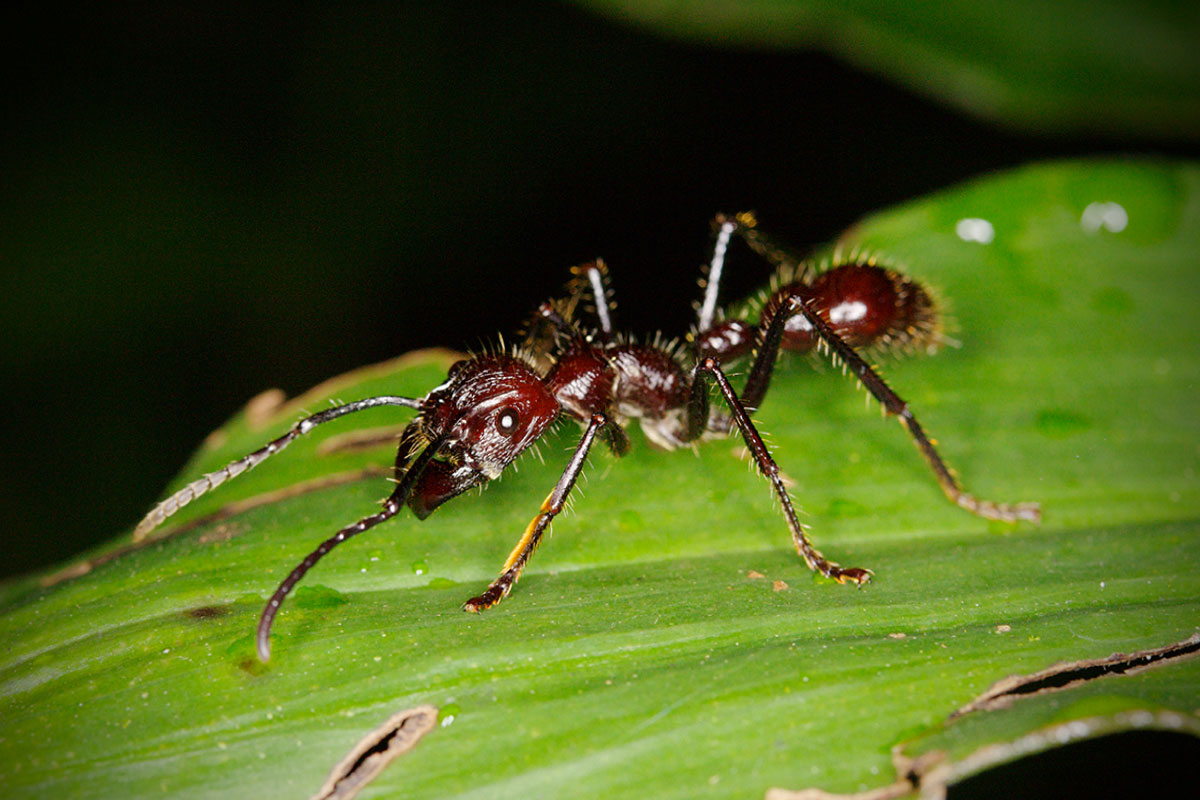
[489,410]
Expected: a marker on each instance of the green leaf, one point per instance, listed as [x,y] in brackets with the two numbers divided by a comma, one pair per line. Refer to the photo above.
[1119,66]
[640,656]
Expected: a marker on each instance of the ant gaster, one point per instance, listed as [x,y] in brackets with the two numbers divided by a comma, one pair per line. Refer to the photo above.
[492,407]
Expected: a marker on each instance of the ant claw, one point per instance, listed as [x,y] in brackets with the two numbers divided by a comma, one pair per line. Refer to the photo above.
[483,602]
[1031,512]
[855,575]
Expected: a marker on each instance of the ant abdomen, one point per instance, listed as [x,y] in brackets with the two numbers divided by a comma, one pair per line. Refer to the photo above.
[867,305]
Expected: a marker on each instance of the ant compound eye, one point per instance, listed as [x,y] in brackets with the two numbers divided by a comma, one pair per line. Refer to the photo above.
[507,420]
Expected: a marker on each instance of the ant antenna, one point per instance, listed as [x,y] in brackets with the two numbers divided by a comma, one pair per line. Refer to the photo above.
[212,480]
[391,507]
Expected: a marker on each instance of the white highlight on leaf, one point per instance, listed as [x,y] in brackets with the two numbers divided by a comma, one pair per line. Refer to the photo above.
[1110,216]
[974,229]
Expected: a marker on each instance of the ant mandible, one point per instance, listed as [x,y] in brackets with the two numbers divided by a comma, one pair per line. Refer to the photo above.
[492,407]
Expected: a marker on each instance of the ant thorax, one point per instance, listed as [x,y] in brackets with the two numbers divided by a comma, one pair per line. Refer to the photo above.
[653,388]
[626,380]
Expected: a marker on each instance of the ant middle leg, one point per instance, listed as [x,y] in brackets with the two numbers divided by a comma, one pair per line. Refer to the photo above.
[706,312]
[709,368]
[551,506]
[713,334]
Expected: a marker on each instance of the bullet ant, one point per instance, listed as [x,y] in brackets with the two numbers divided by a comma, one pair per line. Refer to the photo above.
[493,406]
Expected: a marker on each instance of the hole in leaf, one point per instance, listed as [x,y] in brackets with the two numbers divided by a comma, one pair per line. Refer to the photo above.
[399,734]
[1060,676]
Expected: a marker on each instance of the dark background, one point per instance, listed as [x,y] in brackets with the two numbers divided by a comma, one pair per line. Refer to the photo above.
[201,201]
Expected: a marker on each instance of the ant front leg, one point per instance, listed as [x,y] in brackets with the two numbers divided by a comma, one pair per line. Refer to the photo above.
[537,527]
[709,368]
[556,318]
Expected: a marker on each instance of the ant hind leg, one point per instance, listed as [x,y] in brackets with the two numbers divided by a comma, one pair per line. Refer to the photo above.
[897,407]
[840,350]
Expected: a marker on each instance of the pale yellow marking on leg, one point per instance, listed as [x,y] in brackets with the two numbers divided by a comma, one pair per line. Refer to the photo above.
[515,555]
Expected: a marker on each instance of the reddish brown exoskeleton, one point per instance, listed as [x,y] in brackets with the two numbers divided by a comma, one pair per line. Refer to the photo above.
[492,407]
